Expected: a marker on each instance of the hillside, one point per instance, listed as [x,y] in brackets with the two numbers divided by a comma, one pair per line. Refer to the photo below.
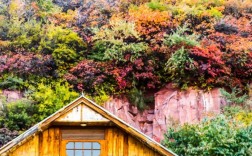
[52,50]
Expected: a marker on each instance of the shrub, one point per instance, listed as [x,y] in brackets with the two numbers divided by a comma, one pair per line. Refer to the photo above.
[102,94]
[179,66]
[235,97]
[241,64]
[87,75]
[218,136]
[17,115]
[118,30]
[23,65]
[210,65]
[51,97]
[238,8]
[117,41]
[150,23]
[65,46]
[179,37]
[25,34]
[242,114]
[136,98]
[7,135]
[197,9]
[157,5]
[125,52]
[12,83]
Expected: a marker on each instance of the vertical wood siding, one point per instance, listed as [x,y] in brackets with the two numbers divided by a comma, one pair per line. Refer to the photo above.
[121,144]
[118,143]
[49,142]
[30,148]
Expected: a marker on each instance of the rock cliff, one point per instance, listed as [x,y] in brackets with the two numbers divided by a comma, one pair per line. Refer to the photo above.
[172,106]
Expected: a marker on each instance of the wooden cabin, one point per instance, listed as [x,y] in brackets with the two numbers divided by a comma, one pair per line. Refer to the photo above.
[83,128]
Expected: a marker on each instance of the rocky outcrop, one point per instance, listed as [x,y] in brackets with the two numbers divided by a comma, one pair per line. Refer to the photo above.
[191,106]
[9,96]
[171,106]
[12,95]
[129,113]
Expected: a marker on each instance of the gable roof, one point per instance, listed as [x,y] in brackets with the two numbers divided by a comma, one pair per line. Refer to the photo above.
[44,124]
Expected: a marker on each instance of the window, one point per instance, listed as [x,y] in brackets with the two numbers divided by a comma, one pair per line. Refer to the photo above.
[83,149]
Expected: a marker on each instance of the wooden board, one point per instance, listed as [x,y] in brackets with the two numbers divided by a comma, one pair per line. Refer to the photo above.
[81,113]
[83,134]
[30,148]
[49,142]
[122,144]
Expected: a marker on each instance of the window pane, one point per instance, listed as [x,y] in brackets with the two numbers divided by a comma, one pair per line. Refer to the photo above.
[87,145]
[87,153]
[96,145]
[70,152]
[78,153]
[78,145]
[83,149]
[70,145]
[96,152]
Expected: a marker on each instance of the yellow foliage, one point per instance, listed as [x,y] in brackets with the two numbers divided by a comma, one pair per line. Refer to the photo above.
[4,43]
[117,31]
[14,7]
[196,2]
[183,9]
[244,117]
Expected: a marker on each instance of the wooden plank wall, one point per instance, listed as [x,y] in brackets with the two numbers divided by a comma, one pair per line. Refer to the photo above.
[30,148]
[49,142]
[43,144]
[122,144]
[117,143]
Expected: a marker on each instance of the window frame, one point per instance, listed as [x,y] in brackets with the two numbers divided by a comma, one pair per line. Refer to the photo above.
[101,142]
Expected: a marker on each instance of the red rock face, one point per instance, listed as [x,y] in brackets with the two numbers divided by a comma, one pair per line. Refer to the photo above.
[172,106]
[12,95]
[143,121]
[191,106]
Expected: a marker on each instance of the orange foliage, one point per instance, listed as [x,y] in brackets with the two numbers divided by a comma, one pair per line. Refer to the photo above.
[235,35]
[150,23]
[67,19]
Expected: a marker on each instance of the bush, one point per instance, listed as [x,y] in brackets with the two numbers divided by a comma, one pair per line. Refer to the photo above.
[179,66]
[17,115]
[152,21]
[235,97]
[156,5]
[12,83]
[119,52]
[117,41]
[25,34]
[119,30]
[219,136]
[7,135]
[24,65]
[197,9]
[102,94]
[179,37]
[136,97]
[51,97]
[242,114]
[88,75]
[66,46]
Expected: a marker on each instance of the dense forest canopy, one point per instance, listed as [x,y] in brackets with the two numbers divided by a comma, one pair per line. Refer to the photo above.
[53,49]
